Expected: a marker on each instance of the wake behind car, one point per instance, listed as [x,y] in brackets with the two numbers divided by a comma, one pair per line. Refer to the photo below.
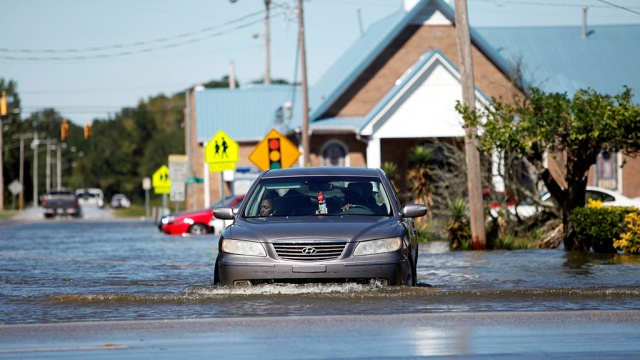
[319,224]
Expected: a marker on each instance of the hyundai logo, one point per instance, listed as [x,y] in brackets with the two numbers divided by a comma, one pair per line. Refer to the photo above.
[309,250]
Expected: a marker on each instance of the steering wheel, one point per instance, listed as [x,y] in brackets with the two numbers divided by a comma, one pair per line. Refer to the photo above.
[356,207]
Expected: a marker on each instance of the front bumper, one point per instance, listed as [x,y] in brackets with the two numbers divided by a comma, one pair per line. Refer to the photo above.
[392,267]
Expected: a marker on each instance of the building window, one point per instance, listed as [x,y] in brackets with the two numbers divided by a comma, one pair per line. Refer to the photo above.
[334,153]
[607,170]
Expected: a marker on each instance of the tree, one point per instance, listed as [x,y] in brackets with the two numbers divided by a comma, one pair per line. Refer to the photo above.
[571,131]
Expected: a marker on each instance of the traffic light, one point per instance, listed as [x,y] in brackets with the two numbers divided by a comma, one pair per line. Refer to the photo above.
[3,104]
[87,131]
[64,130]
[275,157]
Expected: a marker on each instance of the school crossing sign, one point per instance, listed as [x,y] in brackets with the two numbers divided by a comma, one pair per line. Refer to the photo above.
[221,153]
[160,180]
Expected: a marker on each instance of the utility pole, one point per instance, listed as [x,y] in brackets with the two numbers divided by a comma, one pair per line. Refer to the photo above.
[267,40]
[34,145]
[47,182]
[305,95]
[21,171]
[478,235]
[21,195]
[59,166]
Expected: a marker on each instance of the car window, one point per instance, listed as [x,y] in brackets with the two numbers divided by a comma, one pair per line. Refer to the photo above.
[299,196]
[599,196]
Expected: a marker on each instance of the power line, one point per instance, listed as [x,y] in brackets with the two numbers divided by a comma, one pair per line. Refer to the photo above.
[620,7]
[123,53]
[122,46]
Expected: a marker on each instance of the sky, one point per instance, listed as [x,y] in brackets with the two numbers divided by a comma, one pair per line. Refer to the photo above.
[88,59]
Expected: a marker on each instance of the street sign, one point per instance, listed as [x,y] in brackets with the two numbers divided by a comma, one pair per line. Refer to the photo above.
[178,169]
[15,187]
[221,153]
[194,180]
[146,183]
[275,151]
[160,180]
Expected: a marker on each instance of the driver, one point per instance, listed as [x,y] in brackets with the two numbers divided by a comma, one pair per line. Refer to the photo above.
[266,207]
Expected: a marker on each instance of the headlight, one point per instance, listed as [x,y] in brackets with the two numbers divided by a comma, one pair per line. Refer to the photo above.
[242,247]
[378,246]
[167,219]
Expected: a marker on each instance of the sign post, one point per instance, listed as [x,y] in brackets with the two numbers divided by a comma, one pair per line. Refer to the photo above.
[146,186]
[162,184]
[178,169]
[275,151]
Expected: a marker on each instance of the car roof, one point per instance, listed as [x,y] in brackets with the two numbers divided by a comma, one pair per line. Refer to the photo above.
[321,171]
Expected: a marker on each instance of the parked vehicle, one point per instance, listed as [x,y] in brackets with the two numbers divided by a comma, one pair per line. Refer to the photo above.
[319,224]
[610,198]
[606,196]
[90,196]
[120,201]
[196,222]
[60,202]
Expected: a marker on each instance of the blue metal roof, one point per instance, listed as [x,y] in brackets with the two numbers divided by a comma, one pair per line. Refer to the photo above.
[558,59]
[245,114]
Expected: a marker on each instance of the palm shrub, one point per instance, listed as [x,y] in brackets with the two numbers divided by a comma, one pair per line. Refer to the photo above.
[392,172]
[459,227]
[420,176]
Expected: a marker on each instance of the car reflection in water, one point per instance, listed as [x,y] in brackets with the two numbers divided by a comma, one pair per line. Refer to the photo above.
[327,224]
[196,222]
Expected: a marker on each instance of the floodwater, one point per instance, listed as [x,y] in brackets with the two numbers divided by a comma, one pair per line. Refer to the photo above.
[84,270]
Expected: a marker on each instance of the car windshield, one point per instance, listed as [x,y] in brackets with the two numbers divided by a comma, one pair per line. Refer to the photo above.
[320,195]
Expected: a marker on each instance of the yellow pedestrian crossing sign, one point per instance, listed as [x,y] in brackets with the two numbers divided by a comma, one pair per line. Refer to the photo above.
[160,180]
[221,153]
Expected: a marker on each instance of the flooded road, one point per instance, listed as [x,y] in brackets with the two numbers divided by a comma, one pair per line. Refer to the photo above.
[85,270]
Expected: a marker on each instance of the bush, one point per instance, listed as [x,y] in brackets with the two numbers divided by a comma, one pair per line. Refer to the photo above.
[459,227]
[596,226]
[629,241]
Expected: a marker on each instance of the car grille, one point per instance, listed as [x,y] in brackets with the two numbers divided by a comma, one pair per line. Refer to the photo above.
[310,251]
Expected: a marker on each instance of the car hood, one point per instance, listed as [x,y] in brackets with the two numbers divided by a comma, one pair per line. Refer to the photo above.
[351,228]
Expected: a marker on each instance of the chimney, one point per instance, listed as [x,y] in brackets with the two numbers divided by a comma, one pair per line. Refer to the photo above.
[584,21]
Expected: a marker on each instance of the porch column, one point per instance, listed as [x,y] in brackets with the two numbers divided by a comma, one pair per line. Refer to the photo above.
[373,153]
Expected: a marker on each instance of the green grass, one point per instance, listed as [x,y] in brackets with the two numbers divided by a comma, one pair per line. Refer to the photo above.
[135,211]
[8,214]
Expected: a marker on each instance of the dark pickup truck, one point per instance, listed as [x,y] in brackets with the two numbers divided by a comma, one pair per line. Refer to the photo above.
[60,202]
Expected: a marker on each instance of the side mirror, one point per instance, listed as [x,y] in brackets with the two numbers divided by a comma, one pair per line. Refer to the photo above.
[224,213]
[414,210]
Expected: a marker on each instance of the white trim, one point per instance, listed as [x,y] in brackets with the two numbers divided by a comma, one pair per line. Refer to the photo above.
[435,72]
[374,153]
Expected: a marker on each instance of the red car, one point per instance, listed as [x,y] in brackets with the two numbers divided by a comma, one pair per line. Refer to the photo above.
[195,222]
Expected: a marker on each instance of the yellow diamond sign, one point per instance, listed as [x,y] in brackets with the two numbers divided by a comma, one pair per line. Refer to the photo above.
[275,151]
[160,180]
[221,153]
